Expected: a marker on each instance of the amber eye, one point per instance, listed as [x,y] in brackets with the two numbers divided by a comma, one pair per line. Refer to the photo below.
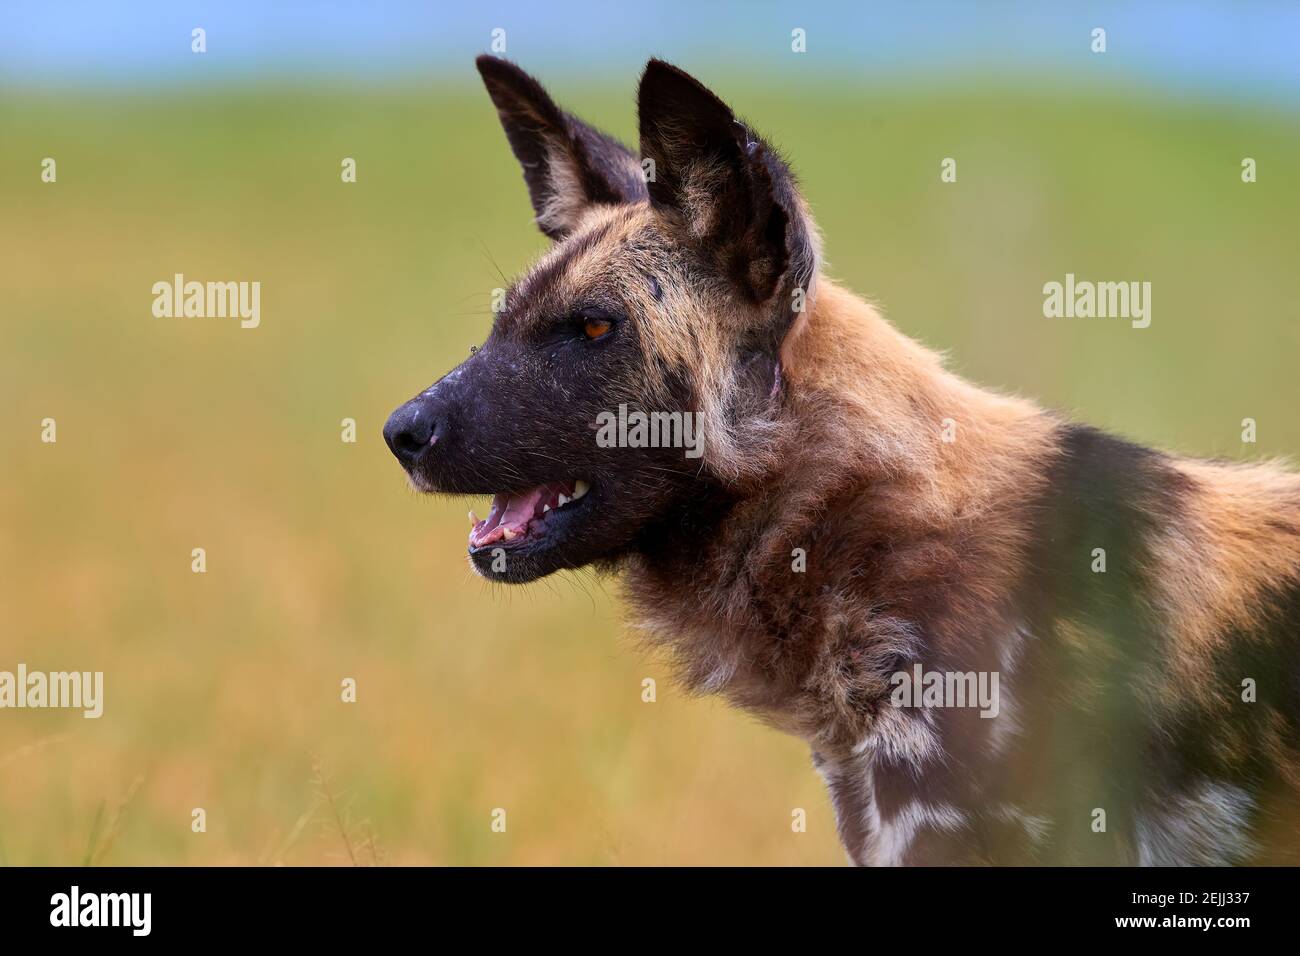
[595,328]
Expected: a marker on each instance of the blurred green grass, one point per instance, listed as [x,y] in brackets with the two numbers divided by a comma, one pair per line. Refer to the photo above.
[222,689]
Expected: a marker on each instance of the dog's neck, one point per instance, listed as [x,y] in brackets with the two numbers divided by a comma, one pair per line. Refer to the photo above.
[798,598]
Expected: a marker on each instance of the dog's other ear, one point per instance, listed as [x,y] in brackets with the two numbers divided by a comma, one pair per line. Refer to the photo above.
[722,185]
[567,164]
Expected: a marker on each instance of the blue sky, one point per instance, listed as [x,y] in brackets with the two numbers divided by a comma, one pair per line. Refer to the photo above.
[1221,50]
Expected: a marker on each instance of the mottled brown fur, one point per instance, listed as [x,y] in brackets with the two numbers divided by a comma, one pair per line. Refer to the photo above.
[859,510]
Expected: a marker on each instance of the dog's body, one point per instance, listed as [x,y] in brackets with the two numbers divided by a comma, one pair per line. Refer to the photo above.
[1121,689]
[860,512]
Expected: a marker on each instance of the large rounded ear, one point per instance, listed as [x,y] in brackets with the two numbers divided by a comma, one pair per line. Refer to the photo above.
[567,164]
[724,188]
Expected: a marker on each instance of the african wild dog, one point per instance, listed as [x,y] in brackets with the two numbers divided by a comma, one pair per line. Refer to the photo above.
[830,538]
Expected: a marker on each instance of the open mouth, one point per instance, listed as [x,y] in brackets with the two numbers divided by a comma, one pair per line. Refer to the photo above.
[523,516]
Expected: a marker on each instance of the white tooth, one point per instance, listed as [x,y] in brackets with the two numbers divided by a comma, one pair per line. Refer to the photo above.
[579,489]
[545,508]
[564,501]
[509,533]
[473,519]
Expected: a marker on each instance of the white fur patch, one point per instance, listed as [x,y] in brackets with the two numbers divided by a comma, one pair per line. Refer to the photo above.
[1206,827]
[567,199]
[902,737]
[1036,828]
[891,839]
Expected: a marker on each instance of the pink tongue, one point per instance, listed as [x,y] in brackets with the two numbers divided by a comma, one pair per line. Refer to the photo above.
[519,509]
[511,512]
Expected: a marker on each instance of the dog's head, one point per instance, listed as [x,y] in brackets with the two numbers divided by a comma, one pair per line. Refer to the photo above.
[633,374]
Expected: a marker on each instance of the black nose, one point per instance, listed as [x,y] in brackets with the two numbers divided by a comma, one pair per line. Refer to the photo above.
[410,431]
